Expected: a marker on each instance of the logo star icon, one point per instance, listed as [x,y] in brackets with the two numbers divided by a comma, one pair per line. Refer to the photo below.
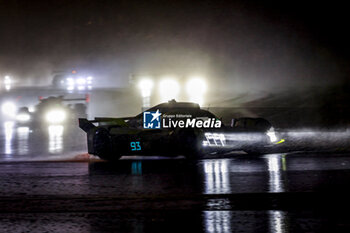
[155,115]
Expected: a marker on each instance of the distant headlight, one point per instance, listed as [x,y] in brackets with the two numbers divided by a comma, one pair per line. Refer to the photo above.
[196,87]
[81,81]
[55,116]
[145,85]
[89,80]
[23,117]
[9,109]
[272,135]
[7,82]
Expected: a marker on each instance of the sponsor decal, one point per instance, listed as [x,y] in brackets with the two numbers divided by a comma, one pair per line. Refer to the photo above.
[152,120]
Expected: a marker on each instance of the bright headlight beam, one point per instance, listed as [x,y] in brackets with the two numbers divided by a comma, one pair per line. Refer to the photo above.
[55,116]
[89,80]
[23,117]
[9,109]
[81,81]
[169,89]
[196,88]
[145,85]
[272,134]
[7,82]
[70,81]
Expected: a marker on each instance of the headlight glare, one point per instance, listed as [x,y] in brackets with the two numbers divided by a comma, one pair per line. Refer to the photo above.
[272,135]
[55,116]
[145,85]
[196,88]
[23,117]
[9,109]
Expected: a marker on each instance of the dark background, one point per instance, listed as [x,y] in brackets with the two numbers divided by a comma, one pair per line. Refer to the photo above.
[243,43]
[290,54]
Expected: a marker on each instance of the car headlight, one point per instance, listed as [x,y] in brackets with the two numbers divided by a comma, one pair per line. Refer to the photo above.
[145,85]
[81,81]
[23,117]
[272,135]
[55,116]
[9,109]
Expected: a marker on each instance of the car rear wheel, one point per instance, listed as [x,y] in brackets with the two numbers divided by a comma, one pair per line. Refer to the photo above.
[103,145]
[191,141]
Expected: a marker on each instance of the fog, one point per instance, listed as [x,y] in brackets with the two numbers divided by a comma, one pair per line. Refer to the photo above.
[240,48]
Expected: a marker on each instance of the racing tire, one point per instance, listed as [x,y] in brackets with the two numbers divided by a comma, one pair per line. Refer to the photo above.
[191,142]
[103,145]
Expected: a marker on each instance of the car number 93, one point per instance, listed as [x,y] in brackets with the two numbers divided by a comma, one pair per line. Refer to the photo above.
[135,146]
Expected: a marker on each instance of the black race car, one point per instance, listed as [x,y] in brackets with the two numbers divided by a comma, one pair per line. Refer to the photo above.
[176,128]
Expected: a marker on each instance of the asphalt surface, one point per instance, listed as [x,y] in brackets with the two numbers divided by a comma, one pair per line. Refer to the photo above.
[49,184]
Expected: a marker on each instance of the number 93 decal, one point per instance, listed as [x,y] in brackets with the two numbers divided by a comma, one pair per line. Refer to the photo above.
[135,146]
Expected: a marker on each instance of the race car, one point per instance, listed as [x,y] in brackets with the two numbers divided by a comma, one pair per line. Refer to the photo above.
[72,81]
[176,128]
[51,111]
[23,117]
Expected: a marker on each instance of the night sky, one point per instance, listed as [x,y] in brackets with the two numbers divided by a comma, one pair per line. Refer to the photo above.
[243,44]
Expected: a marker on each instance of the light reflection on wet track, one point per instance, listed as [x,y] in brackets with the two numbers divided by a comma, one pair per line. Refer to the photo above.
[22,143]
[163,178]
[148,179]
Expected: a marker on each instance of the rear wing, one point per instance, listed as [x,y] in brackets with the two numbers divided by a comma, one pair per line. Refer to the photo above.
[85,99]
[87,125]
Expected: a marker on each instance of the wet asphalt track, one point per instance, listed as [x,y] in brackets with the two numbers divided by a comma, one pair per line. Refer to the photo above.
[47,186]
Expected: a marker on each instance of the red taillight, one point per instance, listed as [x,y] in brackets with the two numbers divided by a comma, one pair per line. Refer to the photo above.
[87,98]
